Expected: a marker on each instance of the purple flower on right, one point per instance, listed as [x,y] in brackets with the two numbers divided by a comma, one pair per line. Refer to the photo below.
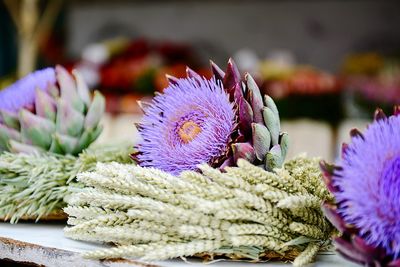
[366,186]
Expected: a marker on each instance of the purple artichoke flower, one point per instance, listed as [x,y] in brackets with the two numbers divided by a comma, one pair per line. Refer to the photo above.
[213,121]
[189,124]
[21,94]
[366,185]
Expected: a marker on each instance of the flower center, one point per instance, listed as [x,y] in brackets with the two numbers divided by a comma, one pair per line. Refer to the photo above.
[188,131]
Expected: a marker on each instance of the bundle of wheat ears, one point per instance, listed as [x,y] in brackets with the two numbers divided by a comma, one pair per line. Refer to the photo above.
[244,212]
[34,186]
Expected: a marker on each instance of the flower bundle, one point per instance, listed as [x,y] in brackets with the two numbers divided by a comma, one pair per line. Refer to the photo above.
[366,186]
[211,181]
[244,212]
[47,119]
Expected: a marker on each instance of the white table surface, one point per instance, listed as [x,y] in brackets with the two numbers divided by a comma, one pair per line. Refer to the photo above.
[51,236]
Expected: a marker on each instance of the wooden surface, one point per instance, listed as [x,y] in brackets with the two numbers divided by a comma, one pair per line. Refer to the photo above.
[44,244]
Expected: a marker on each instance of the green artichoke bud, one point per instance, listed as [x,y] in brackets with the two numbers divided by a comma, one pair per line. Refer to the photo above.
[49,110]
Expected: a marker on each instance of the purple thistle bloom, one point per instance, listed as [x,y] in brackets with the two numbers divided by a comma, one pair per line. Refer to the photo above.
[22,93]
[368,184]
[189,124]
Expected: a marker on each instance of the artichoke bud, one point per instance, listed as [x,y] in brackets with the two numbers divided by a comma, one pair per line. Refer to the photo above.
[272,123]
[9,119]
[96,110]
[60,110]
[36,130]
[261,140]
[243,151]
[255,98]
[45,105]
[69,121]
[274,158]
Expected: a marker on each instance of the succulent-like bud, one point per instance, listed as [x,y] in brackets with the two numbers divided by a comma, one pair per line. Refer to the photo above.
[49,110]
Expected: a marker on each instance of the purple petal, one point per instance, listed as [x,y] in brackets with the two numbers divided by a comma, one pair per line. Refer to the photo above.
[245,117]
[21,94]
[232,76]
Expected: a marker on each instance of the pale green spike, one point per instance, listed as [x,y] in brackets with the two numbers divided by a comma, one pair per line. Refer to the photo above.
[82,88]
[68,90]
[45,105]
[255,98]
[272,123]
[95,111]
[261,140]
[269,102]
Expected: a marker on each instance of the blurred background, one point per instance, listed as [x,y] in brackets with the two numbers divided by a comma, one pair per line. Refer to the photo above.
[328,64]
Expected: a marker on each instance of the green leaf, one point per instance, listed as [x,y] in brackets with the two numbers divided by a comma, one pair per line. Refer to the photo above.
[36,130]
[261,140]
[274,158]
[69,121]
[95,112]
[272,123]
[9,119]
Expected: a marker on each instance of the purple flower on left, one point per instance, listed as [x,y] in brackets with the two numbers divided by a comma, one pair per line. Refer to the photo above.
[21,94]
[49,110]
